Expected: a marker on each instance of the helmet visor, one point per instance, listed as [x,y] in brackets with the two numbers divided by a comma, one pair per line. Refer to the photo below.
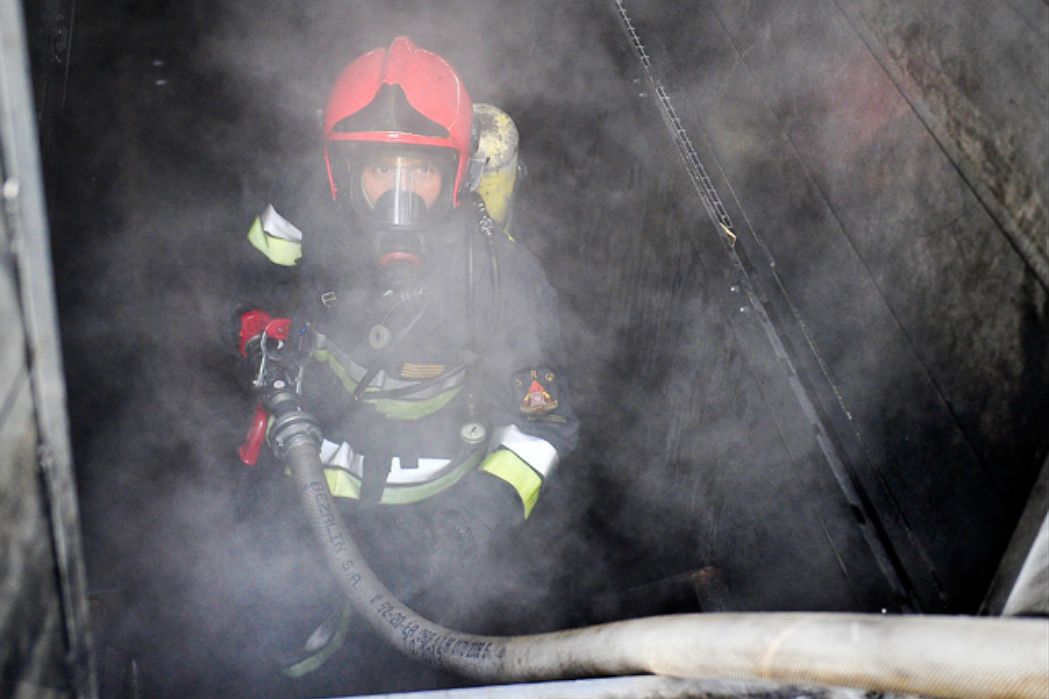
[393,186]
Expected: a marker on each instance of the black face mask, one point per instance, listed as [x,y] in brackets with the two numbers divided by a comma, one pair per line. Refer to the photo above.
[348,251]
[422,248]
[399,246]
[400,256]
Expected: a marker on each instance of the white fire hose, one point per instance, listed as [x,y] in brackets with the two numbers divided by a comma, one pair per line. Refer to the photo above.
[938,656]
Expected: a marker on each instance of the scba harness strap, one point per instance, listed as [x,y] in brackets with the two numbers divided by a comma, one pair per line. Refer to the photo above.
[508,456]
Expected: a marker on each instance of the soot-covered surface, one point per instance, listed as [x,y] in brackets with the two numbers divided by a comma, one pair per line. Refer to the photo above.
[853,141]
[180,120]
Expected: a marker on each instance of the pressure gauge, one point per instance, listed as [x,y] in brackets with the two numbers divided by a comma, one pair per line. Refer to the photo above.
[379,336]
[473,433]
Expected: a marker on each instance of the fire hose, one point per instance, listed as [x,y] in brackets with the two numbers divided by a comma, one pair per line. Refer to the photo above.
[940,656]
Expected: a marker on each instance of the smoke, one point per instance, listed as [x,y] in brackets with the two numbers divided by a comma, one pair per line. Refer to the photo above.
[233,125]
[693,451]
[215,112]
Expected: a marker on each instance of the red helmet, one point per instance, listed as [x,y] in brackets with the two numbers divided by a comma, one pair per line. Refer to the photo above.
[401,101]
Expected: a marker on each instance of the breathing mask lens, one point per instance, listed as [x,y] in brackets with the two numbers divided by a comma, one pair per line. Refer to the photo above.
[396,188]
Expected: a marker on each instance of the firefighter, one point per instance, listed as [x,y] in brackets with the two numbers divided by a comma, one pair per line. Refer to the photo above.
[435,365]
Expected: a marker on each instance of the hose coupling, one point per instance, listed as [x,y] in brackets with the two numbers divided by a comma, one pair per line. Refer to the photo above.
[291,424]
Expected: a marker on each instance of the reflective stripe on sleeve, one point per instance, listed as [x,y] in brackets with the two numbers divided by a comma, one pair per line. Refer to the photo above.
[509,467]
[535,451]
[276,238]
[277,226]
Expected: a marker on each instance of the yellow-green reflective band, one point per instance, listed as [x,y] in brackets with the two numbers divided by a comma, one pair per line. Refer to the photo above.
[324,357]
[511,468]
[277,250]
[343,484]
[413,410]
[389,408]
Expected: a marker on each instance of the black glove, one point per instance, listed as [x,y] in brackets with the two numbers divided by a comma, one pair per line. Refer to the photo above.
[475,511]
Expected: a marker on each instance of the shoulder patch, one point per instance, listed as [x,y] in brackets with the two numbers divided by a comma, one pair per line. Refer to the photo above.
[538,399]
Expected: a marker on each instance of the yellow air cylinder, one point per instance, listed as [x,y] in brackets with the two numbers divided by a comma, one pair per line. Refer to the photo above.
[498,143]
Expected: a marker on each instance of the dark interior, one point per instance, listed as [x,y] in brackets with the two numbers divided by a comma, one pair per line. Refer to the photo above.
[844,409]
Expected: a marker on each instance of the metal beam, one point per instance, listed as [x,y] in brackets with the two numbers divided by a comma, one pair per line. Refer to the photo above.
[26,226]
[1021,585]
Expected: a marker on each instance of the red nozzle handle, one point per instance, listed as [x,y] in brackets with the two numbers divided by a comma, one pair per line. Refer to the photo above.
[249,450]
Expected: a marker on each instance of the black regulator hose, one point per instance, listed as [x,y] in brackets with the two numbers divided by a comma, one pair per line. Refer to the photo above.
[932,656]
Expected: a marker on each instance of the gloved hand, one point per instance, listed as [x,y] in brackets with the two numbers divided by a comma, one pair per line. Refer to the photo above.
[258,327]
[476,510]
[263,342]
[249,342]
[460,534]
[252,323]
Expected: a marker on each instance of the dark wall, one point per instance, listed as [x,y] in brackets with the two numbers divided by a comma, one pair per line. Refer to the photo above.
[43,627]
[840,413]
[890,202]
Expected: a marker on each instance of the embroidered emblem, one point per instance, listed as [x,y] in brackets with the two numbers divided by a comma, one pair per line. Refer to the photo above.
[416,372]
[537,400]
